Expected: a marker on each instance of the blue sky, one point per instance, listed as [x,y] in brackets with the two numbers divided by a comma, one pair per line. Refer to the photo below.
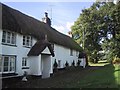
[63,13]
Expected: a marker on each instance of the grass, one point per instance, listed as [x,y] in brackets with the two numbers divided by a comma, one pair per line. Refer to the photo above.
[101,75]
[107,77]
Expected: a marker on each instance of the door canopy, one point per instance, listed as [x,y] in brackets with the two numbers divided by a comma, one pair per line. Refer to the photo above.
[39,47]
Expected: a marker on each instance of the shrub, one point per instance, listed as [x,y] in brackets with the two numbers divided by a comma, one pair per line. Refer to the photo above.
[66,64]
[73,63]
[55,64]
[78,63]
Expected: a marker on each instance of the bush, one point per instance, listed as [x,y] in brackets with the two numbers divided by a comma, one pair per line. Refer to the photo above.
[55,64]
[73,63]
[78,63]
[66,64]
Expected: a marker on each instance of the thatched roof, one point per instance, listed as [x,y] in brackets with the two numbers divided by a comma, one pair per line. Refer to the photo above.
[16,21]
[39,46]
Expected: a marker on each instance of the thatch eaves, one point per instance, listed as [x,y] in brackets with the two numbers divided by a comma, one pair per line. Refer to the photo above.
[16,21]
[39,46]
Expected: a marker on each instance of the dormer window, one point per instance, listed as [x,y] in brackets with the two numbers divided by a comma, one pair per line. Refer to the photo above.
[27,41]
[9,38]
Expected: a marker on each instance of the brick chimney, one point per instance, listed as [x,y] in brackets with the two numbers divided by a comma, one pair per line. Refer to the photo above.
[46,19]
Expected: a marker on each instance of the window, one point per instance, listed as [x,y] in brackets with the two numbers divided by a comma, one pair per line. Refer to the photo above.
[27,41]
[24,62]
[71,52]
[9,38]
[7,64]
[77,54]
[59,63]
[0,64]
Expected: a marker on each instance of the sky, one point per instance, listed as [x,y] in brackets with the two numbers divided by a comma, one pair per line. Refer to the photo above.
[63,14]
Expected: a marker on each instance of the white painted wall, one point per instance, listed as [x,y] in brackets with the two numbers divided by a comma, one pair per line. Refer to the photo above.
[19,51]
[35,65]
[34,62]
[63,54]
[46,51]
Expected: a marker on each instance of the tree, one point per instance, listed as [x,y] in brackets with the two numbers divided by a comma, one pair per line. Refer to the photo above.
[98,27]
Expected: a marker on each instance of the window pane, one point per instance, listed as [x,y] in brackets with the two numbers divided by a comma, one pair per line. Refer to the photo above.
[71,52]
[4,37]
[24,62]
[8,37]
[12,63]
[6,69]
[31,42]
[6,61]
[0,65]
[13,39]
[28,41]
[23,40]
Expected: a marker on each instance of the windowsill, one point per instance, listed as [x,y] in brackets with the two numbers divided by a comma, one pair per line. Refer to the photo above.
[25,67]
[9,44]
[27,46]
[8,74]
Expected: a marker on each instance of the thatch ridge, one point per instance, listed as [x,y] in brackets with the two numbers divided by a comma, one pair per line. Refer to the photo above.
[16,21]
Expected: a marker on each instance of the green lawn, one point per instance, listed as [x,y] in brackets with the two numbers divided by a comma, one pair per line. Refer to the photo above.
[107,76]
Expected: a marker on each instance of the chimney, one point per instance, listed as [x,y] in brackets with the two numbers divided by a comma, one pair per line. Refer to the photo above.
[46,19]
[70,34]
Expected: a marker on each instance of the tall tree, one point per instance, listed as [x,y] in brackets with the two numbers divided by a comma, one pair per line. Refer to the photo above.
[94,27]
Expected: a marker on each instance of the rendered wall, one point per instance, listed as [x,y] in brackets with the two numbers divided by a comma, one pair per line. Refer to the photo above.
[63,54]
[35,65]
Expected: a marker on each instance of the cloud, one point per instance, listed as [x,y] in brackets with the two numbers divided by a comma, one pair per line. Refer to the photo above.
[64,28]
[59,28]
[68,25]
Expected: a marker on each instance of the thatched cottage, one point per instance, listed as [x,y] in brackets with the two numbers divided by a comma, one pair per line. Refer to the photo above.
[27,44]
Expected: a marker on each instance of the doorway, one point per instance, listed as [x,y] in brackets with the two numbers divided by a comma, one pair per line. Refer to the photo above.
[45,65]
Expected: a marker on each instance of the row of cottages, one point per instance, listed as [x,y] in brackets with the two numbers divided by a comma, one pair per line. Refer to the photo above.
[27,44]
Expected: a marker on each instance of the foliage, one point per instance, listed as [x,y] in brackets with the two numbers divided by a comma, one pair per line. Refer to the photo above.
[116,60]
[73,63]
[55,64]
[98,29]
[78,63]
[66,64]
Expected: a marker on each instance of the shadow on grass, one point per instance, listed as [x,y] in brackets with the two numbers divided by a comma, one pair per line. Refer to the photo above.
[101,77]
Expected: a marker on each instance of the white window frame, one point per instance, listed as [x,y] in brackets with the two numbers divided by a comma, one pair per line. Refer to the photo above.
[27,41]
[9,64]
[11,37]
[24,62]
